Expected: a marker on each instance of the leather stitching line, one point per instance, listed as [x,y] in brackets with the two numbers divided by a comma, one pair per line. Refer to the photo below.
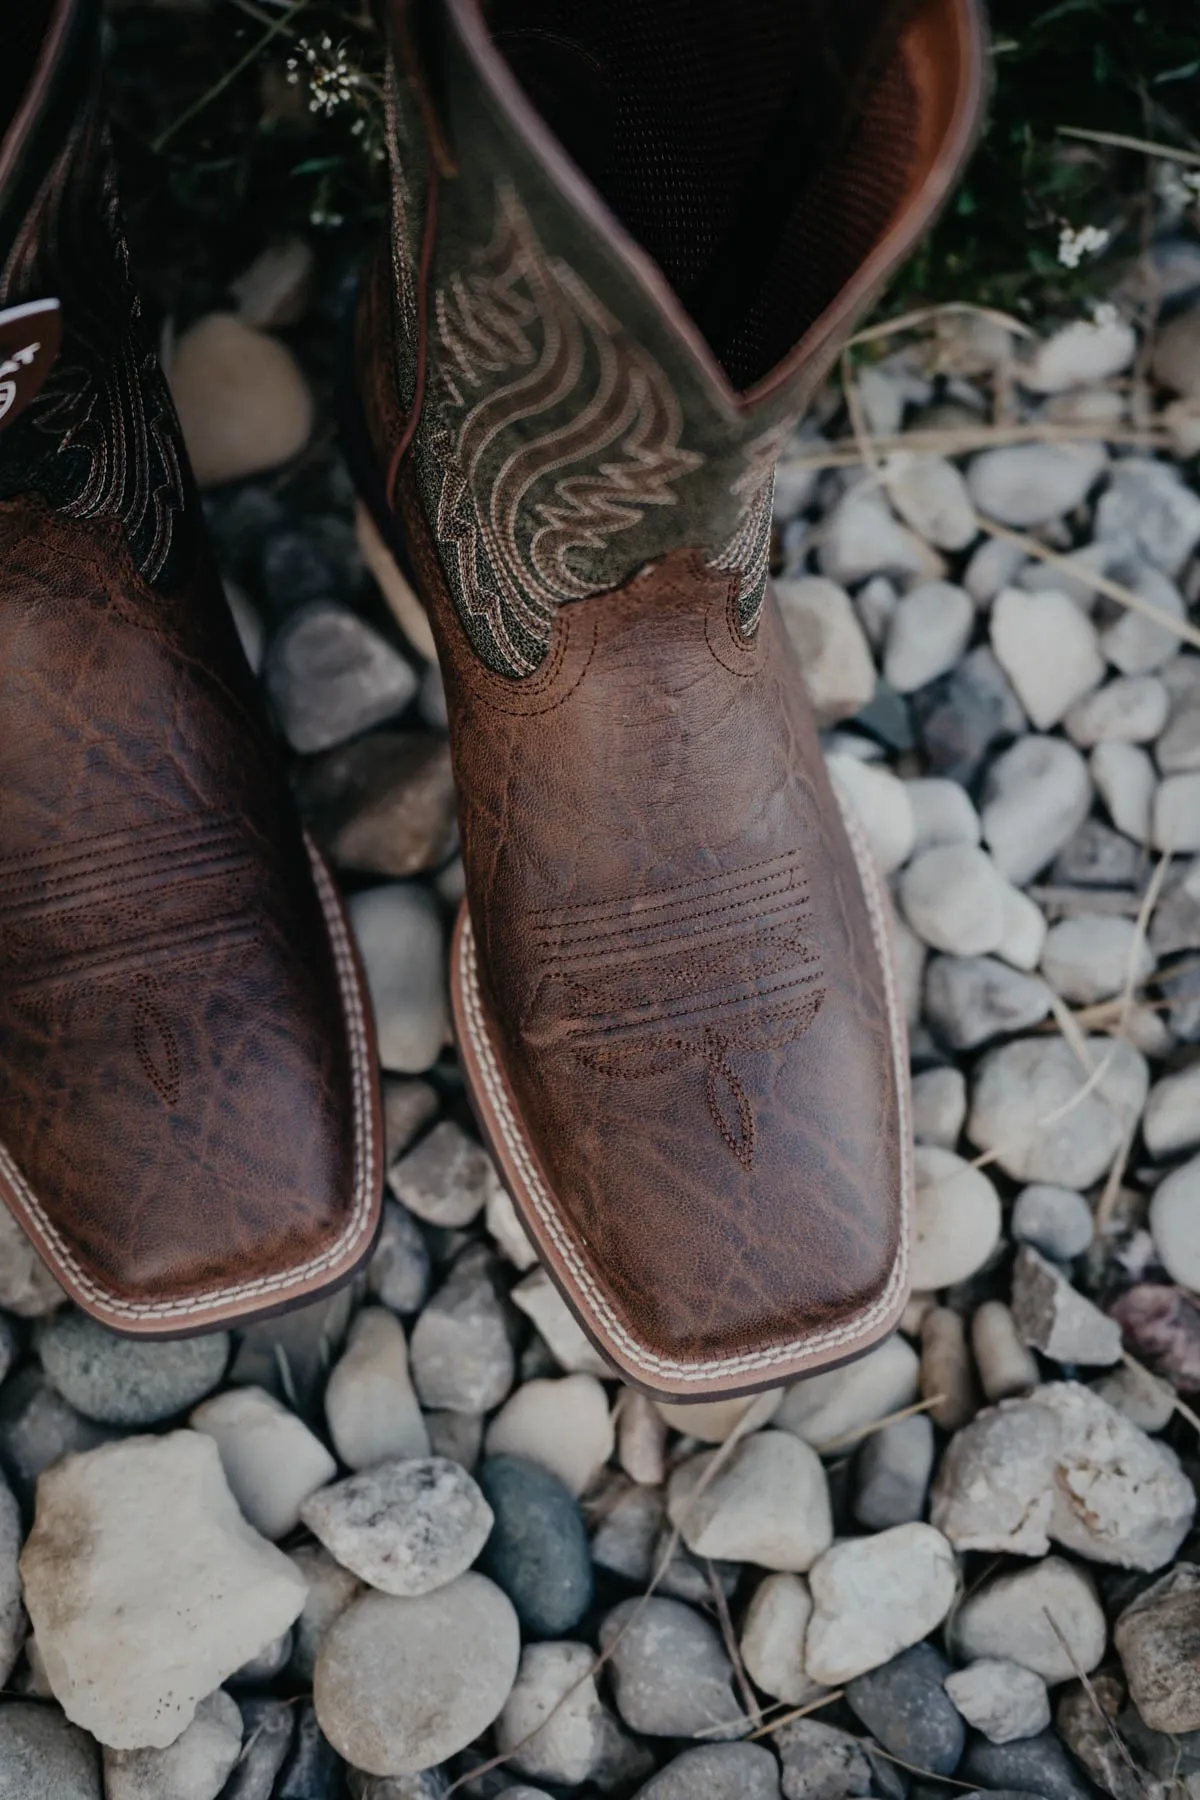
[88,850]
[783,907]
[63,897]
[784,863]
[364,1160]
[833,1337]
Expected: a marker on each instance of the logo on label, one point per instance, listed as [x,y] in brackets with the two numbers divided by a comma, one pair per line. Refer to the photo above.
[30,336]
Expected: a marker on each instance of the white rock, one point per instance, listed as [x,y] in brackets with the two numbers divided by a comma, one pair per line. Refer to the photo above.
[861,537]
[403,1684]
[1055,1220]
[1010,1617]
[370,1406]
[930,495]
[1091,956]
[1079,354]
[461,1354]
[930,629]
[1024,931]
[1149,511]
[1177,813]
[27,1287]
[969,999]
[506,1230]
[1055,1318]
[825,1409]
[1172,1118]
[874,1596]
[1037,796]
[138,1546]
[1137,643]
[641,1439]
[405,1527]
[992,567]
[399,935]
[1001,1699]
[957,1219]
[1138,1396]
[271,1459]
[1048,650]
[1130,709]
[1018,1102]
[195,1767]
[243,403]
[875,602]
[1005,1364]
[772,1640]
[552,1725]
[942,813]
[539,1299]
[712,1421]
[1031,484]
[448,1179]
[564,1425]
[768,1504]
[954,898]
[835,658]
[1126,781]
[1175,1224]
[881,803]
[330,1591]
[1063,1466]
[939,1104]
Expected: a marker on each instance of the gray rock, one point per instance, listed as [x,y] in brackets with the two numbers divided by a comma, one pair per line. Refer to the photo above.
[1141,1397]
[1156,1637]
[905,1708]
[554,1724]
[971,999]
[1084,1719]
[399,936]
[1177,814]
[270,1661]
[408,1106]
[1130,709]
[1138,643]
[820,1762]
[1010,1617]
[272,1461]
[629,1529]
[1005,1364]
[1055,1318]
[568,1343]
[370,1407]
[128,1381]
[404,1527]
[1031,484]
[828,1408]
[403,1684]
[268,1728]
[12,1611]
[768,1504]
[1148,511]
[894,1467]
[398,1273]
[954,898]
[993,566]
[1089,957]
[330,1591]
[1172,1118]
[1055,1220]
[291,1355]
[330,677]
[1048,649]
[456,1435]
[447,1180]
[716,1772]
[939,1103]
[1025,1107]
[961,716]
[538,1548]
[1063,1465]
[930,629]
[875,1596]
[1036,1765]
[1001,1699]
[426,1784]
[383,805]
[42,1757]
[461,1355]
[1036,797]
[27,1287]
[313,1769]
[671,1678]
[1097,856]
[38,1428]
[195,1767]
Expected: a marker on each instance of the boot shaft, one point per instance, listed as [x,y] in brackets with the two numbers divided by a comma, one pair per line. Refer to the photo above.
[627,243]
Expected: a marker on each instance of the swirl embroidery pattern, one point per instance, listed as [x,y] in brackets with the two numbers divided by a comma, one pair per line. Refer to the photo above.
[552,431]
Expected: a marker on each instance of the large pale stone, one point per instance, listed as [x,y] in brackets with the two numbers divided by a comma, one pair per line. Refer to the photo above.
[564,1425]
[243,403]
[874,1596]
[768,1503]
[1015,1616]
[407,1527]
[957,1219]
[272,1461]
[772,1641]
[828,1409]
[834,657]
[147,1588]
[370,1406]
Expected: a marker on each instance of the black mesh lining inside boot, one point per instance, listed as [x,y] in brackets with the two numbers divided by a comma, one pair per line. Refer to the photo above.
[757,149]
[24,31]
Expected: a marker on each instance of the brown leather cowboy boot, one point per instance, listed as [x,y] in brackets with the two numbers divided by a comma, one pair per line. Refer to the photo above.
[627,241]
[188,1123]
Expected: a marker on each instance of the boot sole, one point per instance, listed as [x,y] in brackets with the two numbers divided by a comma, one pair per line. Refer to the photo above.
[495,1106]
[210,1308]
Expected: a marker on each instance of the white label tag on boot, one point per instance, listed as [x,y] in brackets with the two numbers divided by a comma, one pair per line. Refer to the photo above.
[30,336]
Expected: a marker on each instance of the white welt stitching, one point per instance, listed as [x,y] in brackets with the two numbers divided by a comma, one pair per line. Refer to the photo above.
[833,1337]
[364,1161]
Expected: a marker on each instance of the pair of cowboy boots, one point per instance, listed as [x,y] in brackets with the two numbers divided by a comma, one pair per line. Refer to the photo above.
[627,240]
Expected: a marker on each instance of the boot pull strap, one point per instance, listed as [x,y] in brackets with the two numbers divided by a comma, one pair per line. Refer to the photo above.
[30,337]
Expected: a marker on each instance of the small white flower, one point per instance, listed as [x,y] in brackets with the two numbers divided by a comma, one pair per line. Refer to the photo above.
[1074,245]
[1104,313]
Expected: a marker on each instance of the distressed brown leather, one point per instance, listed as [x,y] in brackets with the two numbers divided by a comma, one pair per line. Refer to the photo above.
[679,968]
[189,1127]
